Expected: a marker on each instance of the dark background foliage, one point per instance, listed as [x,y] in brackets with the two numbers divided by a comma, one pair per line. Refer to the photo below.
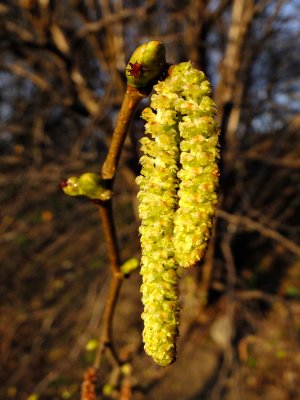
[62,83]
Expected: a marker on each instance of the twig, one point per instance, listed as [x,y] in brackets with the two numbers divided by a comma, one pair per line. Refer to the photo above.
[256,226]
[230,264]
[285,162]
[131,100]
[228,360]
[111,19]
[207,274]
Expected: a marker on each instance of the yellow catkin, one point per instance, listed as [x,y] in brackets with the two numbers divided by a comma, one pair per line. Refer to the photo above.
[177,197]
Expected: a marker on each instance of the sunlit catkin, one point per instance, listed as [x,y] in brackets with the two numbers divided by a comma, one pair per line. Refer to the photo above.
[157,197]
[177,197]
[198,174]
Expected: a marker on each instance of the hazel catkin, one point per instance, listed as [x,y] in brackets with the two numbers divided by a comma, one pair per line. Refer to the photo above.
[157,197]
[177,197]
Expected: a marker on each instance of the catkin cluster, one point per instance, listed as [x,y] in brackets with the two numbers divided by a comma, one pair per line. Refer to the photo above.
[177,197]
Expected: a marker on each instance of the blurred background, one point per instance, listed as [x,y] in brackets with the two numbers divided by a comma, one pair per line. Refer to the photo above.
[62,83]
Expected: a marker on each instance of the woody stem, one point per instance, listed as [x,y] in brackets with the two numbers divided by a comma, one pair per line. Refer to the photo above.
[131,100]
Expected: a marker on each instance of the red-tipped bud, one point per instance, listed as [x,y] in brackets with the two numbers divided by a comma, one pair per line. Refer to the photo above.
[63,183]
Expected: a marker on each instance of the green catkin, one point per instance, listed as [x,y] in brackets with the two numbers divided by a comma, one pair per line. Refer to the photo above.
[177,197]
[198,175]
[157,196]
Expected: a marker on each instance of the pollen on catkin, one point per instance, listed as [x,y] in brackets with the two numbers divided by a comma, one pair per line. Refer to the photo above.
[157,202]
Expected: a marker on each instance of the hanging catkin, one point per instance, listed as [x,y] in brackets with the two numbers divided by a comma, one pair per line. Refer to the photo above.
[157,196]
[198,174]
[177,197]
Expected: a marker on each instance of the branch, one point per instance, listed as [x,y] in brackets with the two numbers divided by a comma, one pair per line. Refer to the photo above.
[256,226]
[111,19]
[131,100]
[285,162]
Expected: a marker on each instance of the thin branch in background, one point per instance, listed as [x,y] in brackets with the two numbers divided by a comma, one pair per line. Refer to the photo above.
[286,162]
[223,328]
[256,226]
[206,274]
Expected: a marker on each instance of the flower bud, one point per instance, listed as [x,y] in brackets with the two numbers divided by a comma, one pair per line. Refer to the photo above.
[70,186]
[146,64]
[89,185]
[129,266]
